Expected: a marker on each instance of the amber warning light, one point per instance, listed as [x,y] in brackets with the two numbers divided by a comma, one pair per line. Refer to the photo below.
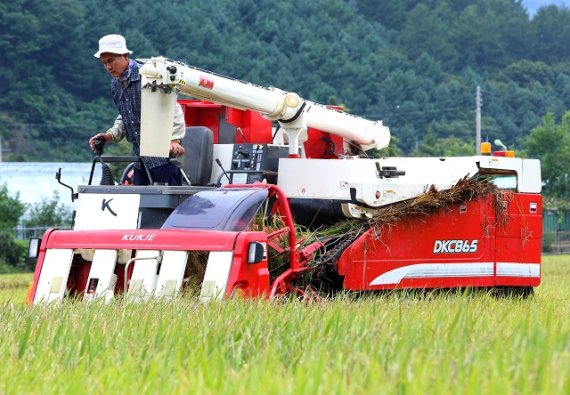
[486,150]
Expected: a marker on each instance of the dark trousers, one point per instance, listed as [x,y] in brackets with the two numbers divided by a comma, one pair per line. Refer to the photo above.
[167,174]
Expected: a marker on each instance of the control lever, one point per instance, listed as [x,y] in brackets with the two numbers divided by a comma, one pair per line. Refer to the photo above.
[224,172]
[74,195]
[98,145]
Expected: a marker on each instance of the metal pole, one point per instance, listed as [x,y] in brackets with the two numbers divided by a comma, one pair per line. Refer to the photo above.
[478,121]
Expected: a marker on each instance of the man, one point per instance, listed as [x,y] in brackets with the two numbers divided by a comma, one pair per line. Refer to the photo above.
[126,91]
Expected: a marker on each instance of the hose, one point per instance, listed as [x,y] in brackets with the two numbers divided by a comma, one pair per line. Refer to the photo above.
[106,176]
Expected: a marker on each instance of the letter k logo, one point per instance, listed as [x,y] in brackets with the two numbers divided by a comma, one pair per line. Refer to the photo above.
[105,205]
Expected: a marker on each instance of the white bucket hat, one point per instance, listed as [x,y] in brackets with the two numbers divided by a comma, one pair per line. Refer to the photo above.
[112,43]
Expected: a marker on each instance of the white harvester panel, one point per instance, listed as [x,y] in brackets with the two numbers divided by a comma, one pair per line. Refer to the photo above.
[106,211]
[171,274]
[297,176]
[223,152]
[531,179]
[52,284]
[157,116]
[216,276]
[143,280]
[102,278]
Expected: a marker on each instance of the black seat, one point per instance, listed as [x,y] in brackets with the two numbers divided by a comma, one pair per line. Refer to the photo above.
[199,153]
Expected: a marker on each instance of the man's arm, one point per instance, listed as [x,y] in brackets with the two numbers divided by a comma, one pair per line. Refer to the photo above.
[179,125]
[178,131]
[117,132]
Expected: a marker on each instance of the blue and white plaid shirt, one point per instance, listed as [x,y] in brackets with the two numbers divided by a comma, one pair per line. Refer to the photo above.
[126,91]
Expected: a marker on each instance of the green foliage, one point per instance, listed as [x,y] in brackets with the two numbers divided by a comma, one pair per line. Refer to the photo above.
[413,64]
[550,142]
[552,25]
[448,146]
[11,209]
[11,252]
[525,73]
[48,213]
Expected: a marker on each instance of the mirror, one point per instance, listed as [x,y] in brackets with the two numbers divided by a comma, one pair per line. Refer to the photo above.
[256,252]
[34,248]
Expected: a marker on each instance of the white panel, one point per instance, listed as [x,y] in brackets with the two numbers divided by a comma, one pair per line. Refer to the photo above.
[102,279]
[157,118]
[501,163]
[297,177]
[223,152]
[52,283]
[435,270]
[530,180]
[143,280]
[508,269]
[107,211]
[171,273]
[216,276]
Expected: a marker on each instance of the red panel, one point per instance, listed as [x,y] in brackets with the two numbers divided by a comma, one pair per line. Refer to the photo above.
[251,279]
[454,248]
[143,239]
[202,113]
[254,128]
[234,116]
[323,145]
[517,281]
[39,266]
[519,235]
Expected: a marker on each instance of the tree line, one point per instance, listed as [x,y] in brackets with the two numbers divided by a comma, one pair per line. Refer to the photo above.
[413,64]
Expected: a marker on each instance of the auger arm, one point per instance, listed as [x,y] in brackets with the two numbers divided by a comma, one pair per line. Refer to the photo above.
[161,76]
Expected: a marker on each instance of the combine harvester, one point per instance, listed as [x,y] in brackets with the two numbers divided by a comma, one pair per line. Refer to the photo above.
[371,224]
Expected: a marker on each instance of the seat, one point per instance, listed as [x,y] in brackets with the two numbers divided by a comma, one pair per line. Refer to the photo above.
[198,145]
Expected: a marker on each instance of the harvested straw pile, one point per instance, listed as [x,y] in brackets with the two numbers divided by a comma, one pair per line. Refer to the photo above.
[343,233]
[432,201]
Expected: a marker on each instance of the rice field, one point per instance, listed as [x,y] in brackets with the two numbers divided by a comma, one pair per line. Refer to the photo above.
[391,343]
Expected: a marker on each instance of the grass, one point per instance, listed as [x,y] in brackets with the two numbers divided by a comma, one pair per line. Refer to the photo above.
[392,343]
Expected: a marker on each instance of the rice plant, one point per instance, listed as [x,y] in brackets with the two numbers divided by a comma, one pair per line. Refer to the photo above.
[399,342]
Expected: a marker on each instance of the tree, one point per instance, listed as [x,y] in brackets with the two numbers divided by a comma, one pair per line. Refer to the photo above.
[423,33]
[11,209]
[48,213]
[448,146]
[550,142]
[525,72]
[551,28]
[491,33]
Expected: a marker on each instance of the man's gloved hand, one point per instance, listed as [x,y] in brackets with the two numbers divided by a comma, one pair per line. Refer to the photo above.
[176,149]
[98,141]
